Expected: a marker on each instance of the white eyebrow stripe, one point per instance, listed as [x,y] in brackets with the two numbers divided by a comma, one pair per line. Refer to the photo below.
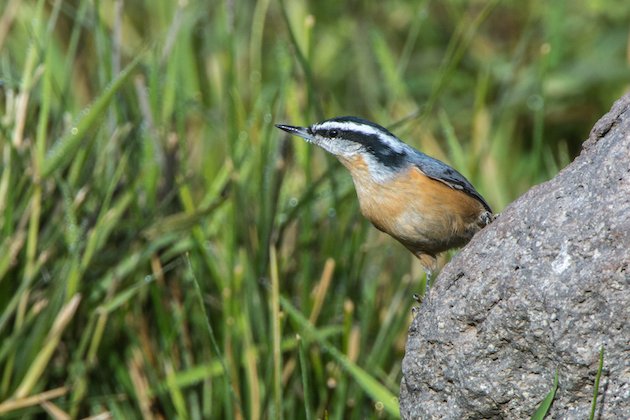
[391,141]
[349,126]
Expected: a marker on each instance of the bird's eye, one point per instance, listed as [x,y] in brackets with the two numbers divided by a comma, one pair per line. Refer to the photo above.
[333,133]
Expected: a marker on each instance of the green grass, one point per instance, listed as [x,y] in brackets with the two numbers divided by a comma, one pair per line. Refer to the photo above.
[596,386]
[165,250]
[545,404]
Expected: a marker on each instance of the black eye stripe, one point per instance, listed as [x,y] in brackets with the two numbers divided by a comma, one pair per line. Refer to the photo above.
[329,133]
[373,143]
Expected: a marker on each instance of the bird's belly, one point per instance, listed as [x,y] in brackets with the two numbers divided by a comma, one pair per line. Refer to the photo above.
[431,231]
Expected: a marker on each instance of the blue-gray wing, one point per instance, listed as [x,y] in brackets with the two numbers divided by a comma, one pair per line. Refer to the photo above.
[440,171]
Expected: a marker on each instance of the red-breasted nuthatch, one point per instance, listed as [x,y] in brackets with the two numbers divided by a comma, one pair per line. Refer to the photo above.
[423,203]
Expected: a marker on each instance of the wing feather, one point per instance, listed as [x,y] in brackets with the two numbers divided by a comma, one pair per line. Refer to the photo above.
[440,171]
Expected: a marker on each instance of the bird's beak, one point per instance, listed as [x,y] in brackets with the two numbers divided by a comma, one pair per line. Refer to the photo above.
[298,131]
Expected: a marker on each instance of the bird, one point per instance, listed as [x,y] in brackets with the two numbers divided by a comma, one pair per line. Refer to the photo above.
[423,203]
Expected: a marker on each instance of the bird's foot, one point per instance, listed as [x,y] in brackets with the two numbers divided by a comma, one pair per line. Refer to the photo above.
[419,297]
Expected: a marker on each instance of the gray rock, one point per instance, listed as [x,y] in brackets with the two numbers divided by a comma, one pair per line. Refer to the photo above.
[542,288]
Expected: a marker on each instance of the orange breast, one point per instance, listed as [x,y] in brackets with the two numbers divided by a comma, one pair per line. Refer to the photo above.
[425,215]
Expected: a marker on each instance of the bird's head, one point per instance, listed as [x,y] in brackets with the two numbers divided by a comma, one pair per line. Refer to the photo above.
[347,137]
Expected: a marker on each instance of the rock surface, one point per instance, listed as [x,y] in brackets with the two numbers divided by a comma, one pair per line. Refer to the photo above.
[542,288]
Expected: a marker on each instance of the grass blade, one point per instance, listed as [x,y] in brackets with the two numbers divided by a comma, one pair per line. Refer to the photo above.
[544,406]
[11,405]
[306,386]
[275,334]
[597,378]
[43,357]
[63,151]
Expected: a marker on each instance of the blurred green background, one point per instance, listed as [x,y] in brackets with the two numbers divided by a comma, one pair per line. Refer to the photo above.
[166,252]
